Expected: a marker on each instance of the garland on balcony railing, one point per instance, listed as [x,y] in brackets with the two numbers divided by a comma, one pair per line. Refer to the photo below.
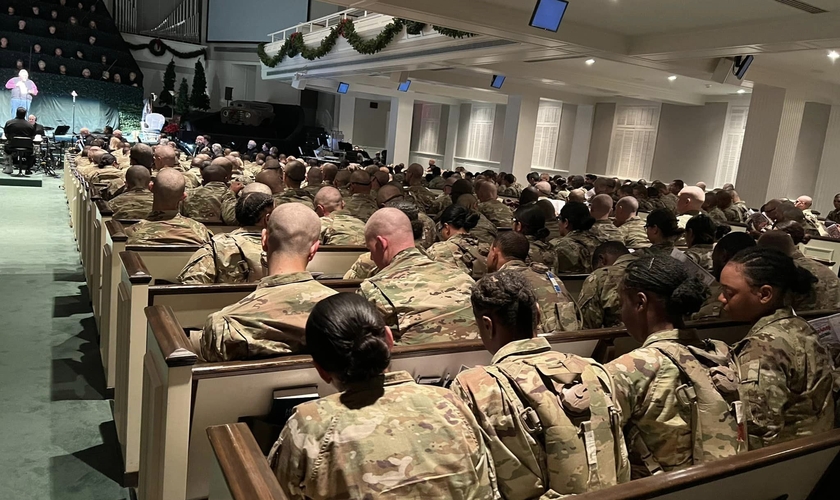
[294,46]
[158,48]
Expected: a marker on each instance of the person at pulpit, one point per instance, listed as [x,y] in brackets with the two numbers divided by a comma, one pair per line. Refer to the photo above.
[23,90]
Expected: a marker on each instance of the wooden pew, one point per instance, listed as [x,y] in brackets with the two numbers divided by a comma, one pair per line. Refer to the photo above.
[824,249]
[113,245]
[196,396]
[240,471]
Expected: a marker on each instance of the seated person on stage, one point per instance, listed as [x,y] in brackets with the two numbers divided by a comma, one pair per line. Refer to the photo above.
[136,202]
[107,170]
[383,435]
[599,300]
[165,226]
[205,202]
[19,127]
[360,204]
[235,257]
[632,227]
[39,129]
[422,300]
[337,226]
[293,175]
[270,321]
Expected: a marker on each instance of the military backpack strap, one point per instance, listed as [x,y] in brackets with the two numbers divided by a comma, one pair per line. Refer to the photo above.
[243,266]
[563,294]
[475,262]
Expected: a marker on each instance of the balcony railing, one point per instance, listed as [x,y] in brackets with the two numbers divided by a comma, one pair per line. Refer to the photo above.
[323,23]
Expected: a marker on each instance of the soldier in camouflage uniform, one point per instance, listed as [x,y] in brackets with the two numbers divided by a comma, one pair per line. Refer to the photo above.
[389,194]
[632,227]
[360,204]
[489,205]
[415,190]
[165,226]
[533,456]
[574,249]
[422,300]
[193,175]
[235,257]
[458,247]
[484,230]
[658,425]
[786,380]
[293,174]
[725,249]
[600,207]
[270,321]
[530,221]
[314,181]
[205,202]
[509,187]
[136,203]
[599,300]
[730,211]
[107,170]
[398,439]
[338,227]
[700,238]
[663,231]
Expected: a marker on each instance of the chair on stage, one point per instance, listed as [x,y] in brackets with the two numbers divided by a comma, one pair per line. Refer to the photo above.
[152,127]
[19,151]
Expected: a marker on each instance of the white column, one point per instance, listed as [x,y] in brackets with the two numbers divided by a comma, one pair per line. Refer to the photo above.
[346,116]
[451,136]
[399,129]
[582,138]
[520,129]
[828,179]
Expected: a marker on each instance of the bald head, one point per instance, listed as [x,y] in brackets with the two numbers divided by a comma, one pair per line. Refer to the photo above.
[314,176]
[292,237]
[342,178]
[803,202]
[137,176]
[691,199]
[701,185]
[360,182]
[779,240]
[214,173]
[487,191]
[387,233]
[414,173]
[168,189]
[255,187]
[294,173]
[578,195]
[328,200]
[329,170]
[165,157]
[628,203]
[380,178]
[223,162]
[601,206]
[271,178]
[141,154]
[387,193]
[95,155]
[543,187]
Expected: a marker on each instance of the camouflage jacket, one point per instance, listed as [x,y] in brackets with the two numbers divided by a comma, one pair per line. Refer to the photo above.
[440,204]
[825,294]
[362,269]
[205,202]
[234,257]
[313,189]
[833,216]
[271,321]
[519,454]
[712,308]
[422,300]
[388,438]
[540,252]
[114,188]
[294,196]
[421,196]
[732,214]
[600,304]
[437,182]
[607,231]
[429,231]
[361,206]
[167,228]
[659,249]
[645,205]
[341,228]
[786,380]
[574,251]
[635,234]
[229,200]
[670,201]
[485,231]
[701,255]
[512,191]
[558,310]
[193,178]
[463,251]
[717,215]
[496,212]
[107,174]
[133,204]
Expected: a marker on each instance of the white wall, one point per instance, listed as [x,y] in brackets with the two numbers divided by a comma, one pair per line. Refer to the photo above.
[812,136]
[370,126]
[599,147]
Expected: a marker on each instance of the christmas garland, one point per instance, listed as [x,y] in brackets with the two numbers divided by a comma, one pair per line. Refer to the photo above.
[294,46]
[159,48]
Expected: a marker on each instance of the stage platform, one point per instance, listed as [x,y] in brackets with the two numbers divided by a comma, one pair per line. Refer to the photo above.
[33,180]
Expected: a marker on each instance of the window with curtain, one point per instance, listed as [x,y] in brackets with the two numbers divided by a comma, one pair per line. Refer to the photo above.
[730,148]
[633,141]
[547,134]
[482,117]
[429,128]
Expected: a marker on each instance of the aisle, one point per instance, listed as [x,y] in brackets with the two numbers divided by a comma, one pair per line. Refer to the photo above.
[58,438]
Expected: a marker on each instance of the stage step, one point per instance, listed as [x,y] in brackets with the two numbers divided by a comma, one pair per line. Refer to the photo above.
[9,180]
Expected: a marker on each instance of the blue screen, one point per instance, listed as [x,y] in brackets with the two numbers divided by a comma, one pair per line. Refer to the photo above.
[343,88]
[404,86]
[498,81]
[548,14]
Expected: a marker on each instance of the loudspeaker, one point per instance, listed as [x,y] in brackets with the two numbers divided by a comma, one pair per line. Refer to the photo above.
[228,93]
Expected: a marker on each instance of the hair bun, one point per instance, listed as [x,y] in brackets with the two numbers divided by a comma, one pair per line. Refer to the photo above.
[371,357]
[688,297]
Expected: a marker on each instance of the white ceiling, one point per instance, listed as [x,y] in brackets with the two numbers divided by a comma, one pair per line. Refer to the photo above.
[811,64]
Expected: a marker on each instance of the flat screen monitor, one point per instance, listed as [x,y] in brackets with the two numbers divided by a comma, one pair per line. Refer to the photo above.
[343,88]
[404,86]
[498,81]
[548,14]
[742,64]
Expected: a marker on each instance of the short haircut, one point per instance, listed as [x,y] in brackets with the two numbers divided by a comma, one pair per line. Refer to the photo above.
[169,186]
[214,173]
[512,245]
[249,207]
[142,154]
[295,171]
[292,229]
[137,176]
[703,228]
[329,197]
[609,248]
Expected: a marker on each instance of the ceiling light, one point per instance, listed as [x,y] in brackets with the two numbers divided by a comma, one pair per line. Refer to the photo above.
[742,91]
[833,55]
[590,62]
[672,78]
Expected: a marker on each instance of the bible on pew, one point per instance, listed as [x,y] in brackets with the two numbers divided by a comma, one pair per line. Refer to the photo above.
[266,429]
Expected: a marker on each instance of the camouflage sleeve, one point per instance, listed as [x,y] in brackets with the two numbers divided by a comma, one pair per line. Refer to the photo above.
[229,208]
[373,295]
[362,269]
[632,375]
[200,270]
[590,305]
[219,343]
[290,459]
[764,388]
[567,258]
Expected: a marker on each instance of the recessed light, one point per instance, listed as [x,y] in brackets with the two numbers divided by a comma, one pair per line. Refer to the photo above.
[742,91]
[590,62]
[672,78]
[833,55]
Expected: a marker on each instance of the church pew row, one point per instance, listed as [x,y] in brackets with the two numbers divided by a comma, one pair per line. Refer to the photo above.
[240,471]
[182,398]
[142,273]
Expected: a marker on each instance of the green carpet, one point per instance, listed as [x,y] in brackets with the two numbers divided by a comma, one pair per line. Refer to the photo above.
[58,436]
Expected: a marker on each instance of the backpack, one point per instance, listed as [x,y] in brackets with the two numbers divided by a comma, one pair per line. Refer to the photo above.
[565,403]
[710,390]
[473,258]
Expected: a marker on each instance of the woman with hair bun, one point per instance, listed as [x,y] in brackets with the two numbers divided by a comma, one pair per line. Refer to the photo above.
[663,231]
[577,241]
[656,294]
[786,380]
[383,435]
[457,246]
[529,220]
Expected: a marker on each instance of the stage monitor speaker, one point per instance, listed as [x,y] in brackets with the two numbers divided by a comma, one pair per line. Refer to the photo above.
[228,93]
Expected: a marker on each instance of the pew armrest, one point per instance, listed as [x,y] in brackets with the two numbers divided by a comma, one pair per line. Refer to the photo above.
[104,208]
[173,342]
[116,230]
[137,271]
[242,463]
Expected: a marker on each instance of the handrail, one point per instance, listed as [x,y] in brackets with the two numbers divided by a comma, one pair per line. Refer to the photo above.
[243,465]
[116,230]
[325,22]
[174,344]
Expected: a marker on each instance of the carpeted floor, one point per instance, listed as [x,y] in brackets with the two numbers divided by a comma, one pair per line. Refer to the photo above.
[58,437]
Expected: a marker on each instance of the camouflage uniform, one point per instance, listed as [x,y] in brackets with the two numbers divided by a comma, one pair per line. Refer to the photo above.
[114,188]
[520,455]
[833,216]
[440,204]
[717,215]
[421,196]
[645,205]
[133,204]
[825,294]
[234,257]
[429,231]
[743,209]
[313,189]
[104,175]
[294,196]
[635,234]
[229,200]
[362,269]
[574,251]
[701,255]
[422,300]
[193,178]
[341,228]
[540,252]
[437,182]
[388,438]
[664,248]
[167,228]
[786,380]
[271,321]
[496,212]
[600,304]
[607,231]
[485,231]
[361,206]
[712,308]
[670,201]
[463,251]
[205,202]
[558,310]
[732,214]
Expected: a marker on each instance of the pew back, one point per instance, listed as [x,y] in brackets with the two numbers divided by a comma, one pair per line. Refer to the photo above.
[826,249]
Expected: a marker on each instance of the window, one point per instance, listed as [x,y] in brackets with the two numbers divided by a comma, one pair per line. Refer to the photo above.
[633,141]
[730,148]
[482,117]
[547,134]
[429,128]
